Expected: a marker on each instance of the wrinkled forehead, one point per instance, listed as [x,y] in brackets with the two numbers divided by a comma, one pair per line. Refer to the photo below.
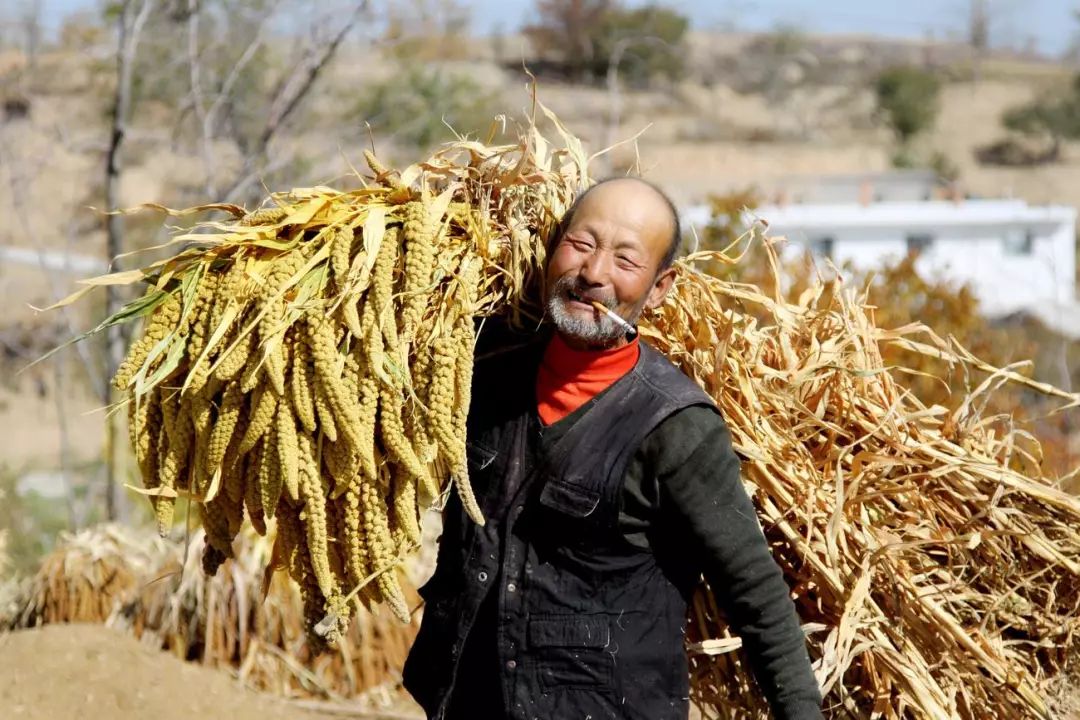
[627,206]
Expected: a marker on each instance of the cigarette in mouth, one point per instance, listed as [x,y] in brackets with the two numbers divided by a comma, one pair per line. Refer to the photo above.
[611,314]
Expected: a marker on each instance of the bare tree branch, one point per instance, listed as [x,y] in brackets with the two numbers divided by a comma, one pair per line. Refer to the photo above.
[301,81]
[291,91]
[246,57]
[207,116]
[195,74]
[16,185]
[249,178]
[129,30]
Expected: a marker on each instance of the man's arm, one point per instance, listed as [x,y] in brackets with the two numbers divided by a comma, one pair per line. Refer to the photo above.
[700,494]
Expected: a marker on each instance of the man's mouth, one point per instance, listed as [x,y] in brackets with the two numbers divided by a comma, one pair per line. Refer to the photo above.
[583,300]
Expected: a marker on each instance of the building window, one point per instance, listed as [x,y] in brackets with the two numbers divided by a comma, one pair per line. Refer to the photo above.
[919,242]
[822,247]
[1019,243]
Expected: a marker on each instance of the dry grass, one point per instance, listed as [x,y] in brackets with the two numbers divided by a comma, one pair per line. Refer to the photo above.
[88,577]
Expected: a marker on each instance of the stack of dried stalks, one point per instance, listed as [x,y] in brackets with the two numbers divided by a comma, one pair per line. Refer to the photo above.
[224,621]
[89,575]
[146,586]
[939,572]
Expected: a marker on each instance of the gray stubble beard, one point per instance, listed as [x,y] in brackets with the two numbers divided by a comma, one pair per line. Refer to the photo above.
[600,333]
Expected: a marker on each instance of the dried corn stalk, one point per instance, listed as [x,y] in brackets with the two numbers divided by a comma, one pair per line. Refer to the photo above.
[88,577]
[937,571]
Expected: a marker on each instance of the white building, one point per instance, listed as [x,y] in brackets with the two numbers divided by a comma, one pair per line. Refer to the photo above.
[1015,257]
[891,186]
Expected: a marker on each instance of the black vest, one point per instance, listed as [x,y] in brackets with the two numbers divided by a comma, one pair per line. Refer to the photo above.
[588,625]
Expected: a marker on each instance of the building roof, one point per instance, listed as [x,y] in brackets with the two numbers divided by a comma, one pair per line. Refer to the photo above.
[1062,317]
[913,214]
[932,213]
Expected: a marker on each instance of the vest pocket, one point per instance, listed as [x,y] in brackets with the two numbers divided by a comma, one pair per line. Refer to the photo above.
[570,651]
[570,498]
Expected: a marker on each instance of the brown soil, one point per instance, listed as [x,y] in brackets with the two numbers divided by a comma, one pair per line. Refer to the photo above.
[82,671]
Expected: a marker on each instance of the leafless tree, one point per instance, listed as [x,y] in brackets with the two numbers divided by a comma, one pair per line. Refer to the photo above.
[130,21]
[979,25]
[30,25]
[211,98]
[567,25]
[209,112]
[19,176]
[979,33]
[992,23]
[210,74]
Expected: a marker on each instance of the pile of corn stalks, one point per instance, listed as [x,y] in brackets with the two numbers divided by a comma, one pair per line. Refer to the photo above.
[87,577]
[937,570]
[240,620]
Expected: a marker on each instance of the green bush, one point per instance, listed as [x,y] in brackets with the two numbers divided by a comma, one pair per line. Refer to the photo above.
[1052,118]
[30,523]
[907,98]
[415,107]
[648,40]
[586,37]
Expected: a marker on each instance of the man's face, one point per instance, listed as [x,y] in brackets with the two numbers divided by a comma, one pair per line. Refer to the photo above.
[611,252]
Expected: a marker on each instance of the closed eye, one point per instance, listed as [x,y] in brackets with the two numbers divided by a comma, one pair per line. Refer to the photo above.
[580,244]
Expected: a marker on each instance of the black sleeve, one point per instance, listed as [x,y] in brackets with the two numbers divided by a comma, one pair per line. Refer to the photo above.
[700,494]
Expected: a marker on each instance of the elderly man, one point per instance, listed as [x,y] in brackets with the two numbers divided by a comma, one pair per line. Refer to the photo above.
[609,486]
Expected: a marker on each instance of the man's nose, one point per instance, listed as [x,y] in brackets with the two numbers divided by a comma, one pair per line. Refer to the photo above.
[596,268]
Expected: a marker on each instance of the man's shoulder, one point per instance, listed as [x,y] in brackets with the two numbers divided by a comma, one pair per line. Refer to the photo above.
[669,381]
[692,431]
[694,423]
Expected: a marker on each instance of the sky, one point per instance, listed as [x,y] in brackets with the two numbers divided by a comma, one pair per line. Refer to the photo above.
[1050,24]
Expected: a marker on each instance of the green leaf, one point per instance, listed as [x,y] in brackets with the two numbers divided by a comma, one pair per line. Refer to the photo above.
[139,307]
[171,362]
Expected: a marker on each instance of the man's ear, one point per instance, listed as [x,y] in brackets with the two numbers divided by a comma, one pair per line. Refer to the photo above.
[660,287]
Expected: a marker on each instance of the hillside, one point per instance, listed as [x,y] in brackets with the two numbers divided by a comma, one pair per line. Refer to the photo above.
[722,128]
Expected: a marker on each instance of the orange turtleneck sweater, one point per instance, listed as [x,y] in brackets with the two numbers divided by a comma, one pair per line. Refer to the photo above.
[569,378]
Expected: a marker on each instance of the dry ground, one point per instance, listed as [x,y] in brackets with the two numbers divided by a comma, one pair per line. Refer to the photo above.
[64,672]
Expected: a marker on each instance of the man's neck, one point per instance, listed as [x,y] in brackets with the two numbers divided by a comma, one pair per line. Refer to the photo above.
[585,346]
[568,378]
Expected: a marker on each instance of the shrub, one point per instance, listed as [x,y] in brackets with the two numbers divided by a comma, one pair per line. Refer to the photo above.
[907,98]
[585,37]
[416,107]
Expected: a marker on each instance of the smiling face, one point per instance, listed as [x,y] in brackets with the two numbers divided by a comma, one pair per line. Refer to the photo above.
[610,252]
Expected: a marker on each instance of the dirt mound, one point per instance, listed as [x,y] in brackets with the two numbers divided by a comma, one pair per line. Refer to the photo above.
[58,672]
